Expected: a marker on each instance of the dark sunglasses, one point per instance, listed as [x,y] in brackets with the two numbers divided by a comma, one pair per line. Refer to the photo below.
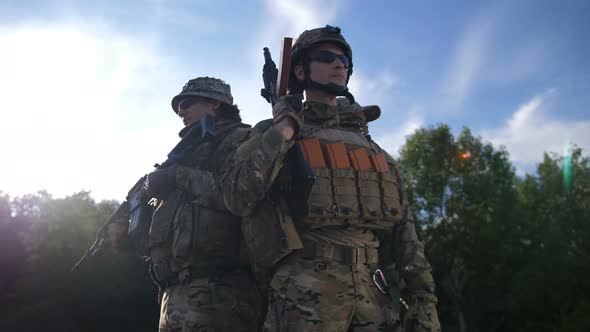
[329,57]
[187,102]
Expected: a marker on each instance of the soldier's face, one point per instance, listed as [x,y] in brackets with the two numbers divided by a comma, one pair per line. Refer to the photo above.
[193,109]
[328,68]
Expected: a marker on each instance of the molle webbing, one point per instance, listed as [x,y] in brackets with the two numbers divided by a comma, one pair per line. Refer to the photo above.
[353,183]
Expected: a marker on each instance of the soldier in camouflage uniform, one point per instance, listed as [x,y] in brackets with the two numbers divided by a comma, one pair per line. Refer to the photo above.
[194,243]
[331,256]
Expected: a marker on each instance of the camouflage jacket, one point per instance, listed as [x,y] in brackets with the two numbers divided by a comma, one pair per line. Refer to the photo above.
[255,165]
[193,225]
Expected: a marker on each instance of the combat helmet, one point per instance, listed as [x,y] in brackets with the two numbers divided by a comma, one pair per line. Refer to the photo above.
[208,87]
[300,53]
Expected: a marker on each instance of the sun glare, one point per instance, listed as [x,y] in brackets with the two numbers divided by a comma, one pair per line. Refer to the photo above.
[64,92]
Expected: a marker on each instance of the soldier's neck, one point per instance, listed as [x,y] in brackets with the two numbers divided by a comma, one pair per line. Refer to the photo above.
[320,97]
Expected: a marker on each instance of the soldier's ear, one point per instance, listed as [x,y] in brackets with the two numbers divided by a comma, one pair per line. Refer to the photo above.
[299,72]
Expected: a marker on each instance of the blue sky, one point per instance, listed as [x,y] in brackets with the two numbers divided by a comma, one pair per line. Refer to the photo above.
[85,88]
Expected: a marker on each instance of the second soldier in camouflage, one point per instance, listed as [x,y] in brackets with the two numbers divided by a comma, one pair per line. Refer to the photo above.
[194,243]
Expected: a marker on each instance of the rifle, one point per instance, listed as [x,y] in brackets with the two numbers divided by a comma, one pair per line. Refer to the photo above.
[136,208]
[269,77]
[297,177]
[276,86]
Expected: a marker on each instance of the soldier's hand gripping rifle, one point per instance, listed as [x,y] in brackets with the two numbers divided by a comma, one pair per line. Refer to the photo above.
[125,211]
[135,210]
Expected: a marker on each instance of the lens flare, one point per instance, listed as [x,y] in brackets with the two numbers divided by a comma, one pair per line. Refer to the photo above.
[567,166]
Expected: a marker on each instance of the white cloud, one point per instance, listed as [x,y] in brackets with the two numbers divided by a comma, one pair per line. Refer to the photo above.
[165,14]
[530,132]
[292,17]
[467,60]
[72,100]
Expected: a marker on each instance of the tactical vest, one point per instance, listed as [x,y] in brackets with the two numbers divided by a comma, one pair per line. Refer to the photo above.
[354,184]
[358,185]
[200,233]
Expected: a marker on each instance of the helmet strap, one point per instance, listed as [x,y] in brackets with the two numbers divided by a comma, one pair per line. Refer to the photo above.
[330,88]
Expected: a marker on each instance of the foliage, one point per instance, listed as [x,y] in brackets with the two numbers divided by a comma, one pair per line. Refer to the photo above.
[554,270]
[502,248]
[105,294]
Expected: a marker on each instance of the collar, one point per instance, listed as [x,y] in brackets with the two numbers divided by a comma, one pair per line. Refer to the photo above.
[320,113]
[206,126]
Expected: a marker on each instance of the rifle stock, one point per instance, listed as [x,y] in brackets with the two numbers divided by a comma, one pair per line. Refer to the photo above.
[283,79]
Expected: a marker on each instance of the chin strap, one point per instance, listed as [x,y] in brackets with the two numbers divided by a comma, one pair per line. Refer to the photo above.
[330,88]
[333,89]
[349,96]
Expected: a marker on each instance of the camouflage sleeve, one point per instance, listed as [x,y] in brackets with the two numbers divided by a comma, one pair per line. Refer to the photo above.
[249,168]
[253,167]
[408,250]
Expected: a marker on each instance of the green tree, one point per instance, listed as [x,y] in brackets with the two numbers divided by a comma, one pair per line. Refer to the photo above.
[551,286]
[507,253]
[462,192]
[11,248]
[105,294]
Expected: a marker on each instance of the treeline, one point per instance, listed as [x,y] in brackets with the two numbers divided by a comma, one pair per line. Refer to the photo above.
[509,253]
[39,244]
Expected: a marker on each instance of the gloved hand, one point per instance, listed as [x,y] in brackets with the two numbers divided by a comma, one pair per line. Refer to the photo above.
[161,183]
[117,236]
[291,107]
[421,314]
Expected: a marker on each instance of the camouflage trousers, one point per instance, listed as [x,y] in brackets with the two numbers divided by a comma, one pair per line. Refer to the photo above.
[323,295]
[228,302]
